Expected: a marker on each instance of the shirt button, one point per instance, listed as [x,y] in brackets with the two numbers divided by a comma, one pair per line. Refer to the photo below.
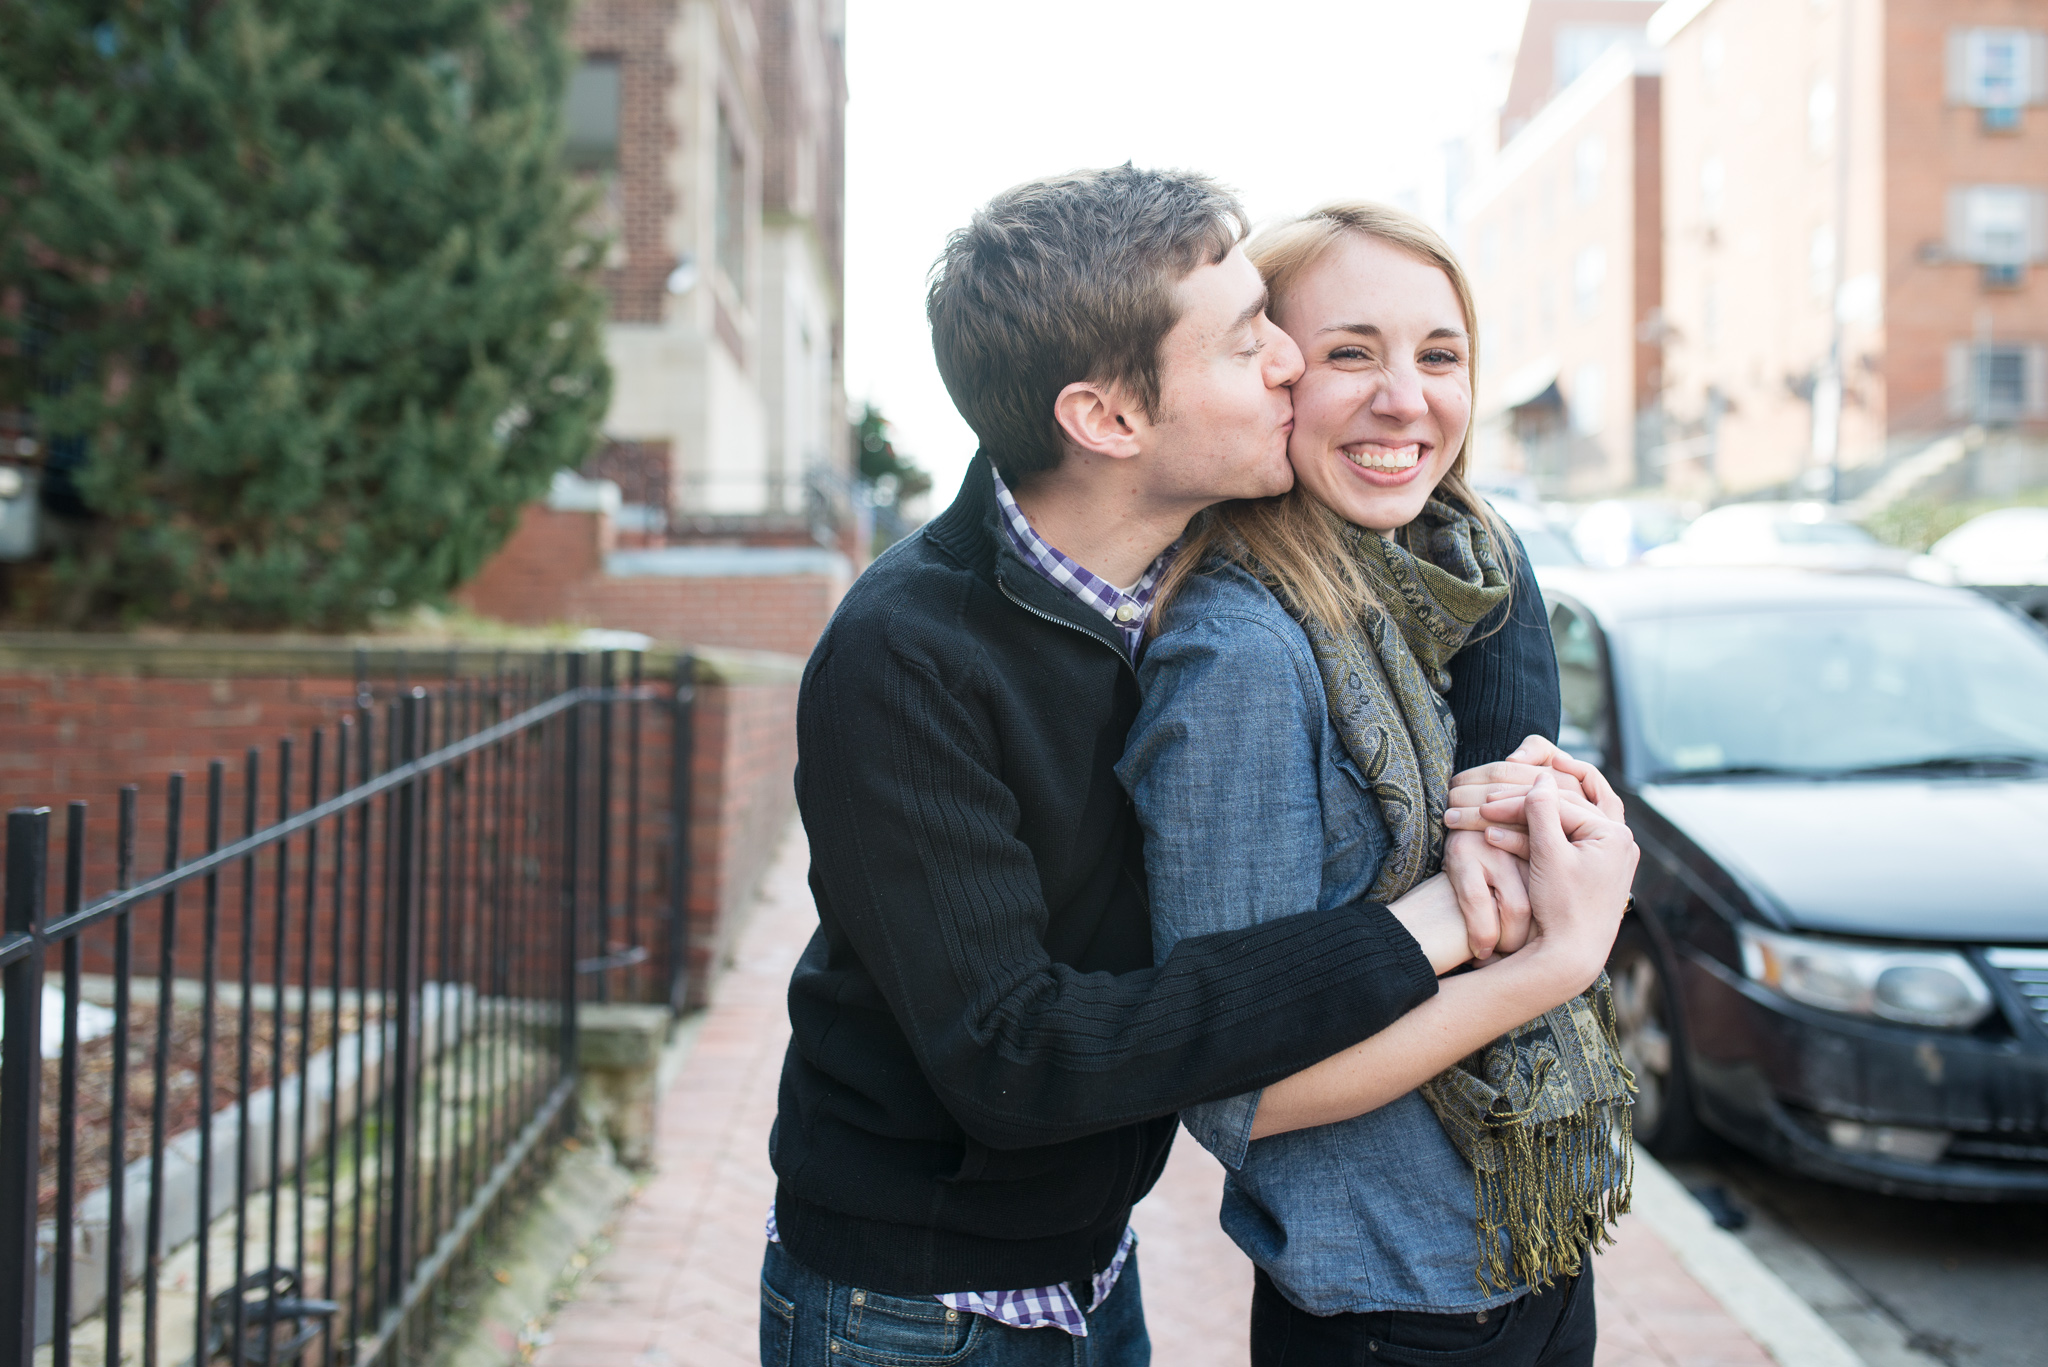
[1125,612]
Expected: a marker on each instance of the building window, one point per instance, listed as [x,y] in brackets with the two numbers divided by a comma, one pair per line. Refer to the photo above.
[1589,159]
[1580,45]
[1820,118]
[592,115]
[1589,399]
[1997,68]
[1713,53]
[1713,188]
[1997,382]
[1710,315]
[1820,263]
[1998,225]
[730,228]
[1589,273]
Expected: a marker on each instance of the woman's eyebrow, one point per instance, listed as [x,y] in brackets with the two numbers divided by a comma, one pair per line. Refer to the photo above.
[1372,330]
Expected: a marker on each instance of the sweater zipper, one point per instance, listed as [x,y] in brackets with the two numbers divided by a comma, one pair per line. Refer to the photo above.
[1070,626]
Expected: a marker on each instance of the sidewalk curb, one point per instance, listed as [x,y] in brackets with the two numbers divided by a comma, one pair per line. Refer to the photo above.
[1789,1329]
[547,1249]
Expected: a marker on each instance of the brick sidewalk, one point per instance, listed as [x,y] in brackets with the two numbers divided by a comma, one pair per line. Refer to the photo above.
[679,1286]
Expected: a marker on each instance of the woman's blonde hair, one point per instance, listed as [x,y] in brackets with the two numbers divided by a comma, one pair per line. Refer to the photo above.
[1293,540]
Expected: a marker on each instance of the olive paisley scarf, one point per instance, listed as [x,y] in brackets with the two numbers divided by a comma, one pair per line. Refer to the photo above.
[1542,1112]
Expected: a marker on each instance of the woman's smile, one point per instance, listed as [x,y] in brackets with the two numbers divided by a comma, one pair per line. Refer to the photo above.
[1384,464]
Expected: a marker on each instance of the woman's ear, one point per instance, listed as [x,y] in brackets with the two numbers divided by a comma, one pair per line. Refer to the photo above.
[1098,418]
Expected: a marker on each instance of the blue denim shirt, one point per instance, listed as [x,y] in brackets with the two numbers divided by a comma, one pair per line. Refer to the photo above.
[1253,810]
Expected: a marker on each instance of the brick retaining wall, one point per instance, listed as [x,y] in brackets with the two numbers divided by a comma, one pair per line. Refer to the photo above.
[81,716]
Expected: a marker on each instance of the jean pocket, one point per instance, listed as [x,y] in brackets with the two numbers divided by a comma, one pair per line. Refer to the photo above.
[778,1328]
[1447,1340]
[903,1331]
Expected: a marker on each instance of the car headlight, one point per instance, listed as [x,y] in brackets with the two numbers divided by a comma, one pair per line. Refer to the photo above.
[1911,986]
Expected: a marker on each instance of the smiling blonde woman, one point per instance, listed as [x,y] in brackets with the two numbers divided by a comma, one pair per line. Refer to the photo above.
[1429,1195]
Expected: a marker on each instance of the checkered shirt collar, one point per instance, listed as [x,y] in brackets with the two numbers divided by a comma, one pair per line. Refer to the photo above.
[1126,611]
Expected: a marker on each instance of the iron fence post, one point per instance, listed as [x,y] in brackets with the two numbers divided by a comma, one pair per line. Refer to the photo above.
[21,1082]
[606,680]
[679,795]
[572,791]
[404,932]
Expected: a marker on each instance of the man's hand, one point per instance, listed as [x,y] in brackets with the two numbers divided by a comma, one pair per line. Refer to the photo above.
[1493,896]
[1580,869]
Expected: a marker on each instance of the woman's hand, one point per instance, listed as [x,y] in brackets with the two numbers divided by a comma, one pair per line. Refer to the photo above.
[1488,799]
[1493,896]
[1519,769]
[1578,888]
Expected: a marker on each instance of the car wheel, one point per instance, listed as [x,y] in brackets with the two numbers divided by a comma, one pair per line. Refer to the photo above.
[1646,1021]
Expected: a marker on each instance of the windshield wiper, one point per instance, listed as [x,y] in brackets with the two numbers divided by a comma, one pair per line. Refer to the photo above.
[1738,771]
[1963,764]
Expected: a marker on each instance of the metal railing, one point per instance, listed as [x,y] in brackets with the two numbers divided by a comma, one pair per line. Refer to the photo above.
[362,1032]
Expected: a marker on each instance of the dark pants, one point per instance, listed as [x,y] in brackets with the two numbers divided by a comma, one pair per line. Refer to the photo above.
[1553,1328]
[810,1319]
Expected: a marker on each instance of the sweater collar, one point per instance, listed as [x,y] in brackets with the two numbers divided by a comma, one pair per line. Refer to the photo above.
[971,532]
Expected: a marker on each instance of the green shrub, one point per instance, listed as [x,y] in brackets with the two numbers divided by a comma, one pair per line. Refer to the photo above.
[295,295]
[1917,524]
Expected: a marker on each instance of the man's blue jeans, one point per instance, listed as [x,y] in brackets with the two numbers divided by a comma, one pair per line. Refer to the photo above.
[817,1322]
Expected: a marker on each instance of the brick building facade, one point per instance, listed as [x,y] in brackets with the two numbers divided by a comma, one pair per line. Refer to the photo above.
[1563,237]
[1856,204]
[1765,247]
[713,133]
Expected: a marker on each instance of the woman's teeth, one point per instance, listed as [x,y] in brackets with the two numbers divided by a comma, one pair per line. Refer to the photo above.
[1379,458]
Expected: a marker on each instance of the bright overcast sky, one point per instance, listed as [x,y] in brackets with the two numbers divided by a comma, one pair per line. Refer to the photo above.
[1290,103]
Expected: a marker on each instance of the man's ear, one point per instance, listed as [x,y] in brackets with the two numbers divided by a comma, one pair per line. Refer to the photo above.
[1098,418]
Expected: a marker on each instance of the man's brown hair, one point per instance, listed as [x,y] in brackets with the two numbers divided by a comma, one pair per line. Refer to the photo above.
[1066,279]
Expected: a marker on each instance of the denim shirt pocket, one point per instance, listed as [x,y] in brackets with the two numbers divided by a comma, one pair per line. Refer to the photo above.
[1354,836]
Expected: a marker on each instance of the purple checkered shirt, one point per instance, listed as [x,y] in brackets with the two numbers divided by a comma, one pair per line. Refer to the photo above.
[1041,1307]
[1126,611]
[1053,1306]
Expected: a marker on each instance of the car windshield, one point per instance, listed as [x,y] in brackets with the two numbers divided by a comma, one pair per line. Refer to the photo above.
[1829,691]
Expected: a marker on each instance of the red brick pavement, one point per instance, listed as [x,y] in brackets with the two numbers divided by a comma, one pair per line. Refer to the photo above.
[679,1285]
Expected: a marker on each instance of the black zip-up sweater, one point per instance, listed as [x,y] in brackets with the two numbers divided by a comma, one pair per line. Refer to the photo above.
[985,1066]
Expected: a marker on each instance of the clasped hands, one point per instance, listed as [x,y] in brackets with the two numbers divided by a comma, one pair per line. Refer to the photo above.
[1536,847]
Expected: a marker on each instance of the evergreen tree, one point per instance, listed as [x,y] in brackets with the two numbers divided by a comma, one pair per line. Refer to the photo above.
[294,293]
[888,481]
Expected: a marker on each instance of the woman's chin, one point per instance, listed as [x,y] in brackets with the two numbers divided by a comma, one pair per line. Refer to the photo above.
[1376,507]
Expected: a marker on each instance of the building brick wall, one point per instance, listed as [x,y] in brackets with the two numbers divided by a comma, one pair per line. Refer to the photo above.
[72,730]
[1932,146]
[1580,180]
[552,571]
[635,33]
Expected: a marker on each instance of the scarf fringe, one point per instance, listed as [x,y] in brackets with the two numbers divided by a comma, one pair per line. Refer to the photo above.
[1559,1185]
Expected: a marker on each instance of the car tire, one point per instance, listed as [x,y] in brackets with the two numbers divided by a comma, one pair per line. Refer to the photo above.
[1645,1017]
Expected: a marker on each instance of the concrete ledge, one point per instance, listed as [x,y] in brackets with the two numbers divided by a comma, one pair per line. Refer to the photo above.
[727,562]
[179,656]
[218,657]
[1789,1329]
[618,1053]
[716,665]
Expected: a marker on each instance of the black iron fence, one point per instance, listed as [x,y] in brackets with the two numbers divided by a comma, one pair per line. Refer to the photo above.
[255,1107]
